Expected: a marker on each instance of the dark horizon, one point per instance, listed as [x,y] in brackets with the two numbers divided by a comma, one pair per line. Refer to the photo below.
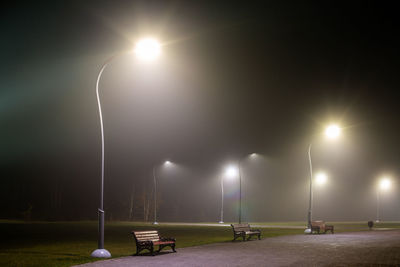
[233,79]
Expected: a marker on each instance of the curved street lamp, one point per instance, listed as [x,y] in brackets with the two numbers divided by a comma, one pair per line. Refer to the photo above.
[147,50]
[332,131]
[251,155]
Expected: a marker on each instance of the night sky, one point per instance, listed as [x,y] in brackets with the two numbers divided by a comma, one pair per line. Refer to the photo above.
[233,78]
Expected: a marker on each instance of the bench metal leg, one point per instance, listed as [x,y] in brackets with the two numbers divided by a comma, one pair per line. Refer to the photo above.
[152,251]
[258,236]
[163,246]
[236,236]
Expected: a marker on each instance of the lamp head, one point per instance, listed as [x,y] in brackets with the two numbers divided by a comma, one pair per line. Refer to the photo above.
[231,172]
[147,49]
[321,178]
[332,131]
[385,183]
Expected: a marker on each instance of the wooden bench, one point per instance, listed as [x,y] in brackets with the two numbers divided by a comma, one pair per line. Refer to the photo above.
[243,229]
[320,226]
[150,239]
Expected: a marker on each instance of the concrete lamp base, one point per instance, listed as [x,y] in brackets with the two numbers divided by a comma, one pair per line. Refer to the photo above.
[307,231]
[101,253]
[155,222]
[220,222]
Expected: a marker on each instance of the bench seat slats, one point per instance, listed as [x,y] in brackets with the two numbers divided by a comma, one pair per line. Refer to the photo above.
[148,237]
[242,229]
[251,232]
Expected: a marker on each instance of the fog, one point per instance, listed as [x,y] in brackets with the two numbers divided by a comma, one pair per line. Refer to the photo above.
[223,88]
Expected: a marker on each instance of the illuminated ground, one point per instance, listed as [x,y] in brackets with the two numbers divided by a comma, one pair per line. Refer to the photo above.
[366,248]
[71,243]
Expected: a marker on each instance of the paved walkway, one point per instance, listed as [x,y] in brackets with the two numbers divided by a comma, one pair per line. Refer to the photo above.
[228,225]
[368,248]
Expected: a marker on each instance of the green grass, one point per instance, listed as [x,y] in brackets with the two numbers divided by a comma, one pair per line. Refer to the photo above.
[70,243]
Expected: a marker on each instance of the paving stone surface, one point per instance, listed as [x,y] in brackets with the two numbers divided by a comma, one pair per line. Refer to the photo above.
[367,248]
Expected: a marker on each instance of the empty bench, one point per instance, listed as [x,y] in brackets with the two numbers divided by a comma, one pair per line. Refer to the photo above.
[150,239]
[242,230]
[321,227]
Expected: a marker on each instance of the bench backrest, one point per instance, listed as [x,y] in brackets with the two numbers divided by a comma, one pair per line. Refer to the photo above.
[242,227]
[141,236]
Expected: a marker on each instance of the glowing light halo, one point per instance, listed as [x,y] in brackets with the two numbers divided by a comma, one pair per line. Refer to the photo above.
[332,131]
[321,178]
[231,172]
[147,49]
[385,183]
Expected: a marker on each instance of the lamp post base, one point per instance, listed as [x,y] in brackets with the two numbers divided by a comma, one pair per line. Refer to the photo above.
[155,222]
[307,231]
[101,253]
[220,222]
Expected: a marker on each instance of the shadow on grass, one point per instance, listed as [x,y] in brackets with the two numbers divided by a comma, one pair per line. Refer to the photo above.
[44,253]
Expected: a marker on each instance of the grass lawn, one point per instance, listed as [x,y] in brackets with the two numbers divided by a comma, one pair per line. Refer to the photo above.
[70,243]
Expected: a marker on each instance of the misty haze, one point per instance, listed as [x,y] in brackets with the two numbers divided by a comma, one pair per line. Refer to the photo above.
[226,81]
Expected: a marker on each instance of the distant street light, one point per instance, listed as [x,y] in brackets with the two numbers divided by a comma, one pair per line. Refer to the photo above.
[332,131]
[166,163]
[321,178]
[147,50]
[384,185]
[232,172]
[252,155]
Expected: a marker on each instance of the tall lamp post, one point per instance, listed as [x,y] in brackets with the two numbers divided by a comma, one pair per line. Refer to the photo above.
[240,191]
[166,163]
[332,132]
[252,155]
[146,49]
[384,184]
[230,172]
